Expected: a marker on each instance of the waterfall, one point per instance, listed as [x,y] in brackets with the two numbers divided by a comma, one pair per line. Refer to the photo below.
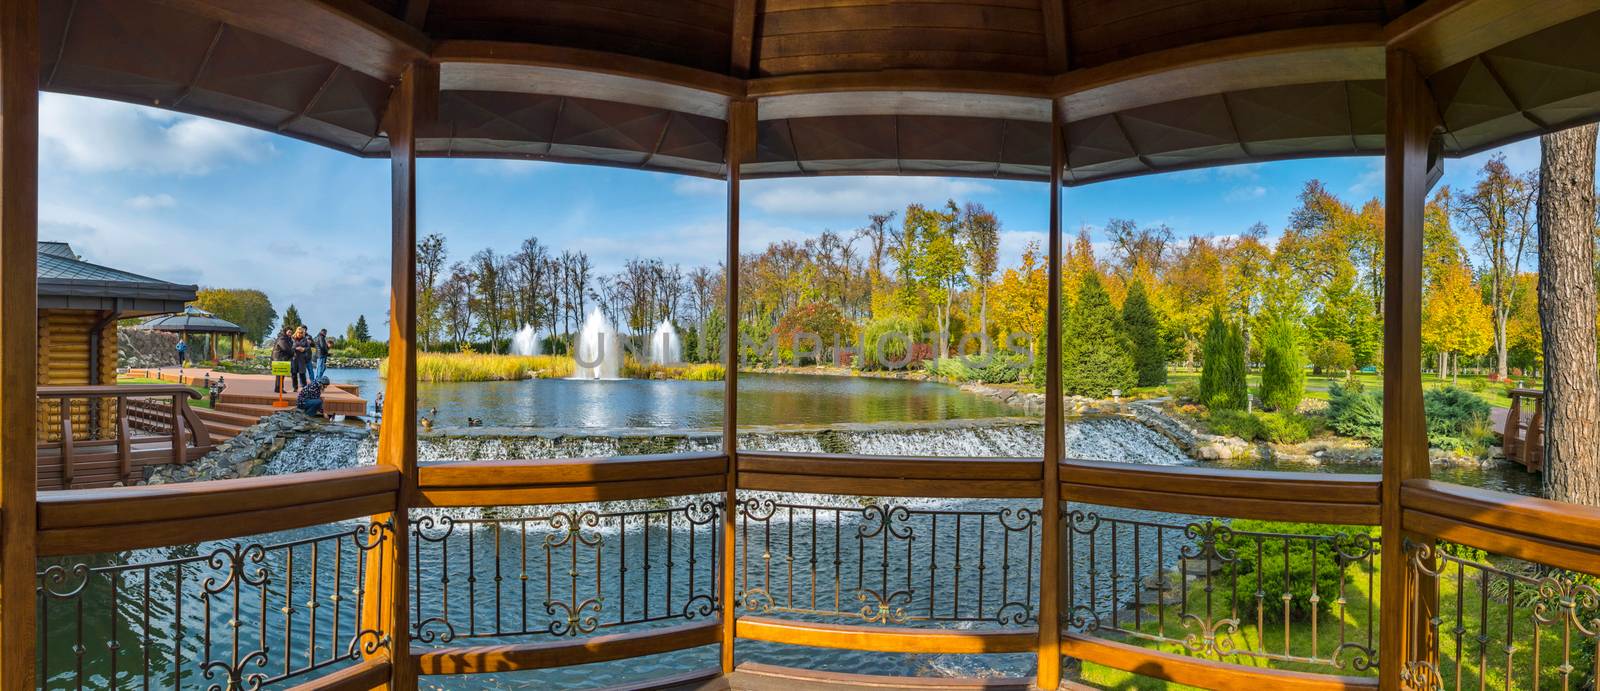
[599,354]
[524,342]
[665,348]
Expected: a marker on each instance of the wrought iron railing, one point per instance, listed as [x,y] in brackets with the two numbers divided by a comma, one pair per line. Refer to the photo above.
[1291,595]
[889,562]
[1501,622]
[563,571]
[230,614]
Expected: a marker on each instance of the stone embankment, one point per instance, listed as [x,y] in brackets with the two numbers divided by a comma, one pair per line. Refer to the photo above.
[246,454]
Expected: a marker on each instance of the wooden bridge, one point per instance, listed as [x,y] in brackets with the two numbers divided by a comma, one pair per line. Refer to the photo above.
[1522,428]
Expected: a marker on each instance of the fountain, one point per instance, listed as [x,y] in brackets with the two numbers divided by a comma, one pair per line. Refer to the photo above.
[599,354]
[665,348]
[524,342]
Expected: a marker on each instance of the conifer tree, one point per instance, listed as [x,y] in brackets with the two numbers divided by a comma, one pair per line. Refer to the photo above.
[1096,356]
[1144,330]
[291,318]
[1283,376]
[1222,368]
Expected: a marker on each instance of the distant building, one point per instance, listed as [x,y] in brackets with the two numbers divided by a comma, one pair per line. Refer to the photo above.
[79,306]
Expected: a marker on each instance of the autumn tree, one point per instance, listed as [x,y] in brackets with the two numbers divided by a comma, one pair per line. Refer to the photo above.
[1096,356]
[1454,318]
[980,230]
[431,256]
[1566,214]
[1020,296]
[1499,217]
[1145,333]
[249,308]
[933,260]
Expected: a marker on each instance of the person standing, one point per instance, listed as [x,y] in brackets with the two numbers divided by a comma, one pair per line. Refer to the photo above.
[321,343]
[302,358]
[183,349]
[282,351]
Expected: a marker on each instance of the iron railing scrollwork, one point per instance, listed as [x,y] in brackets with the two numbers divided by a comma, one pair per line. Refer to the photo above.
[568,572]
[886,563]
[1500,622]
[231,615]
[1208,589]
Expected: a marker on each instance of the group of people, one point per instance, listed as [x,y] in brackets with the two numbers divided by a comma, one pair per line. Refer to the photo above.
[308,361]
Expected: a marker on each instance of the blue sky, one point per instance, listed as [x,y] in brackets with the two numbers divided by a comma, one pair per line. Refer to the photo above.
[200,201]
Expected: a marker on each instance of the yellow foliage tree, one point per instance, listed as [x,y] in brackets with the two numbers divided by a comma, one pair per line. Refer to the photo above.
[1454,316]
[1018,301]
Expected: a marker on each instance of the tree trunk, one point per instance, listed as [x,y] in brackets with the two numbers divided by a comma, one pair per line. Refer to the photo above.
[1567,316]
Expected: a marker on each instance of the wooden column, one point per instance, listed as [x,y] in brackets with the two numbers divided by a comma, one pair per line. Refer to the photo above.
[412,102]
[19,234]
[1412,119]
[740,147]
[1050,567]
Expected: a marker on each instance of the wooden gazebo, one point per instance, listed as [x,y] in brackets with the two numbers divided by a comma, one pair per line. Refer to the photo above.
[1064,92]
[193,321]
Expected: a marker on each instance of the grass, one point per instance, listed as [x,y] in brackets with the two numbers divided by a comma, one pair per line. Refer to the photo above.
[1317,385]
[470,367]
[709,371]
[203,402]
[1470,614]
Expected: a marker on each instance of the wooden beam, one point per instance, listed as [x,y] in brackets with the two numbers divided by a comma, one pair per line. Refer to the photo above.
[1056,50]
[352,33]
[414,102]
[888,639]
[416,13]
[741,61]
[740,147]
[1050,571]
[942,81]
[1441,33]
[19,235]
[1411,123]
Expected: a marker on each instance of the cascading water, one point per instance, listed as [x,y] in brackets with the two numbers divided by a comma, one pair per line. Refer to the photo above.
[665,347]
[524,342]
[599,353]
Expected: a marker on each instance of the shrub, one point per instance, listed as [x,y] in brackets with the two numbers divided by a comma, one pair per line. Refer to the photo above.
[1478,385]
[1455,417]
[1283,375]
[1355,413]
[1286,428]
[1187,390]
[362,349]
[897,334]
[1234,423]
[1310,566]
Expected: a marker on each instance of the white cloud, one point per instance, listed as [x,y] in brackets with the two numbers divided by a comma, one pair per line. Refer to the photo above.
[1242,171]
[1012,242]
[147,201]
[1245,193]
[509,166]
[97,136]
[699,187]
[1370,182]
[833,197]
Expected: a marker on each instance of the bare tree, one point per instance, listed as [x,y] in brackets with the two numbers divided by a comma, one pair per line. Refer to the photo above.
[431,256]
[1567,315]
[1499,214]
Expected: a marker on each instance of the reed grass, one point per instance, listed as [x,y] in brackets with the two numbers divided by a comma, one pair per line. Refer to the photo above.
[469,367]
[708,371]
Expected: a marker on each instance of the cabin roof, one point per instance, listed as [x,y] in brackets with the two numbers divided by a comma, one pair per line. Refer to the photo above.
[66,281]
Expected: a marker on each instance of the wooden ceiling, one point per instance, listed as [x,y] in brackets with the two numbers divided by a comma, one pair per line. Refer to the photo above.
[950,87]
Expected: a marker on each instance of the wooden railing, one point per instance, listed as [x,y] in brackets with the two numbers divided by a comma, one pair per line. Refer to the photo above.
[125,428]
[1523,440]
[549,578]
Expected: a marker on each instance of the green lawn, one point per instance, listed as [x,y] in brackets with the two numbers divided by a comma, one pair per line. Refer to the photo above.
[203,402]
[1317,386]
[1464,601]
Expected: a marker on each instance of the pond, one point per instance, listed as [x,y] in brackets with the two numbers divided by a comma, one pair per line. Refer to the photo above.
[764,399]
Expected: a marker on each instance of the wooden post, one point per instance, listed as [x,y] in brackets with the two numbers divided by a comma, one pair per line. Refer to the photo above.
[19,235]
[1412,119]
[413,101]
[741,145]
[1050,571]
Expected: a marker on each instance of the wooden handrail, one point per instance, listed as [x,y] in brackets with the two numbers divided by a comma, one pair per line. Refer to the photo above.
[565,481]
[117,391]
[903,476]
[504,658]
[187,433]
[887,639]
[1183,669]
[1266,495]
[1529,528]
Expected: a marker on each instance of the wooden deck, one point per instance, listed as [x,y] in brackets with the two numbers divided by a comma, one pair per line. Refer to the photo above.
[252,395]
